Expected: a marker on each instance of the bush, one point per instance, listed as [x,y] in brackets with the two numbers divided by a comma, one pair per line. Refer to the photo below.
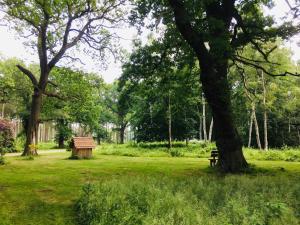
[176,153]
[236,200]
[2,161]
[6,137]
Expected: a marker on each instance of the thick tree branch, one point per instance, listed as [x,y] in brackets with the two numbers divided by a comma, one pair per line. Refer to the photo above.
[241,24]
[194,38]
[29,74]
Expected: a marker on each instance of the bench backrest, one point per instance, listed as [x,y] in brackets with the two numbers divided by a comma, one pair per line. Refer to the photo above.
[214,153]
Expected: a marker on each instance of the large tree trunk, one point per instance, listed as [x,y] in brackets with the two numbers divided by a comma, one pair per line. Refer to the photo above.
[32,122]
[214,68]
[228,141]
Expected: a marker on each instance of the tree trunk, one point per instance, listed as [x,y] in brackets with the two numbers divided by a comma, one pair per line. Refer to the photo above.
[169,122]
[204,118]
[61,141]
[122,134]
[250,130]
[265,113]
[32,122]
[256,126]
[217,92]
[200,124]
[3,110]
[214,68]
[36,134]
[210,129]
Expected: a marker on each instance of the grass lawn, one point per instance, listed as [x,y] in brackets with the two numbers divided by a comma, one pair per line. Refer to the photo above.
[44,190]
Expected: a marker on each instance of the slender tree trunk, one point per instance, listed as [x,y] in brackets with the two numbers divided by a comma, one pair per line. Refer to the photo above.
[210,129]
[33,120]
[169,122]
[200,124]
[217,92]
[3,110]
[265,113]
[250,130]
[186,129]
[204,118]
[298,136]
[256,126]
[200,128]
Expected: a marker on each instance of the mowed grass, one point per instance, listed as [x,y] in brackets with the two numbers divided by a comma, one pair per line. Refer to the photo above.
[45,190]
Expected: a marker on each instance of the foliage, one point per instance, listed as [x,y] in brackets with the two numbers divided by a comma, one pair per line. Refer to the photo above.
[6,137]
[204,200]
[2,160]
[155,84]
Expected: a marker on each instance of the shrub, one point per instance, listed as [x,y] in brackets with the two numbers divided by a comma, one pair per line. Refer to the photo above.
[6,137]
[2,160]
[176,153]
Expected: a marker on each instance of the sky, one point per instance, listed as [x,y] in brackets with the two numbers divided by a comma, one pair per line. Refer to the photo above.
[12,46]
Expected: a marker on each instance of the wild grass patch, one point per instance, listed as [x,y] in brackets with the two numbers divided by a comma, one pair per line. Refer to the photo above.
[240,200]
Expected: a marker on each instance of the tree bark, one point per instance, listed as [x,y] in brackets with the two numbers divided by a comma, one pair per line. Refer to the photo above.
[204,118]
[211,129]
[228,141]
[256,127]
[213,76]
[61,141]
[32,122]
[265,112]
[122,134]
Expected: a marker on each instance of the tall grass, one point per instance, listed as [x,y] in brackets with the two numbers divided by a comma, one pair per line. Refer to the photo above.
[194,150]
[236,200]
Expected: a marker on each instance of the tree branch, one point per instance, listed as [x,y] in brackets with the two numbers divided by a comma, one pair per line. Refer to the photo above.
[194,38]
[53,95]
[264,70]
[29,74]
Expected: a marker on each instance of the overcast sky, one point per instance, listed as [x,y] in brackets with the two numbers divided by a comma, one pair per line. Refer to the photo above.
[11,46]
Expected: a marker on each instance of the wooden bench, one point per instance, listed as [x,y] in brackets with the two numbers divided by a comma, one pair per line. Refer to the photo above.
[214,157]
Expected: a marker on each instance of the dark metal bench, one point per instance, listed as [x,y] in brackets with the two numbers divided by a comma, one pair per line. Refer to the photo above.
[214,157]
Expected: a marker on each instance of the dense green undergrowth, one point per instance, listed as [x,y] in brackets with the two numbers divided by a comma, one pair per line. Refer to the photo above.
[235,200]
[195,150]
